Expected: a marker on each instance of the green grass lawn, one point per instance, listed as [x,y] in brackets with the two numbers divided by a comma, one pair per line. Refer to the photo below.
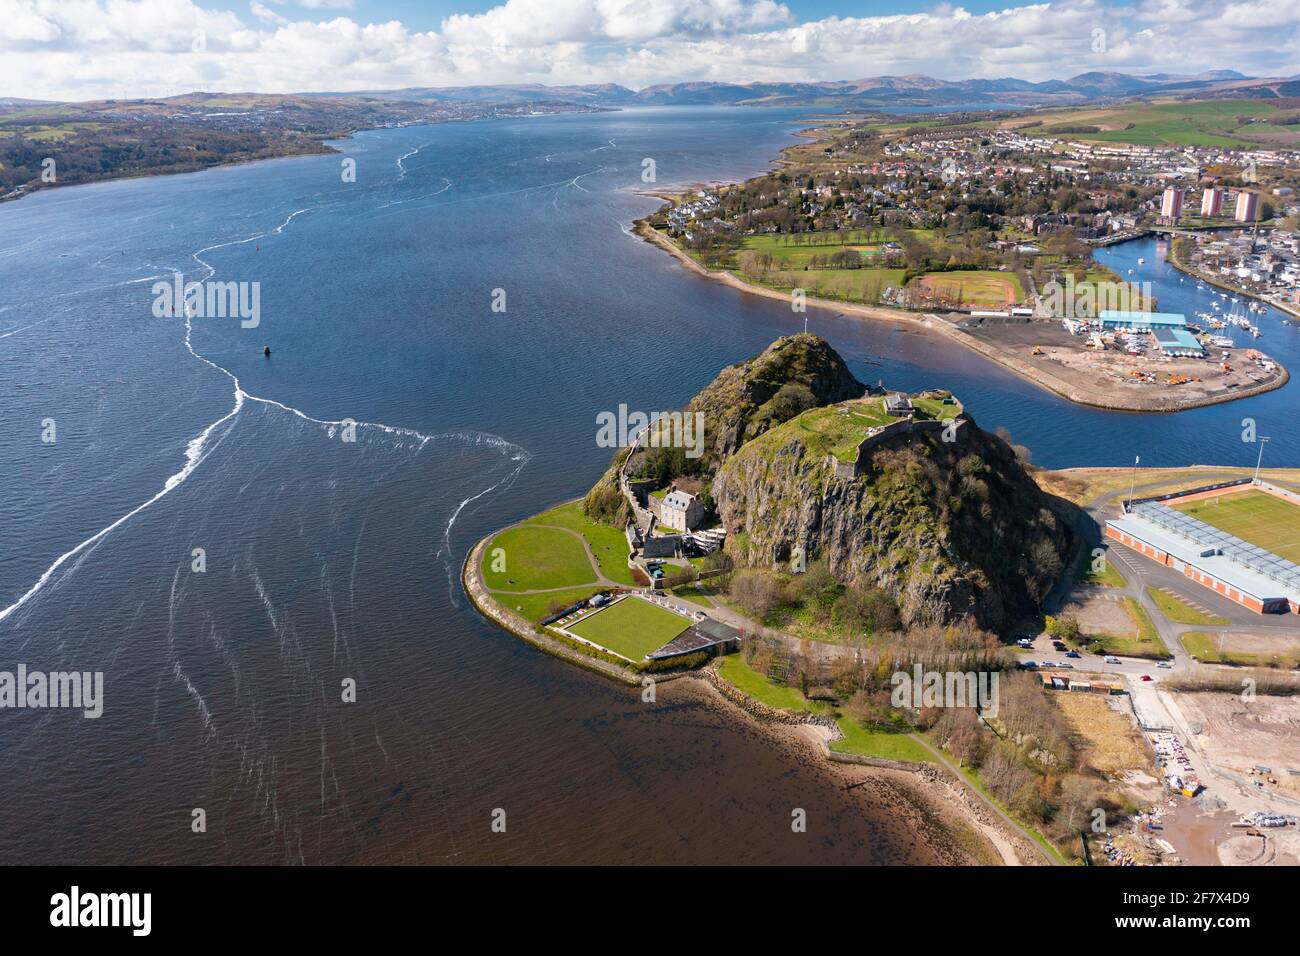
[631,627]
[841,285]
[836,429]
[890,745]
[536,558]
[606,543]
[750,682]
[534,607]
[693,593]
[1204,123]
[1255,516]
[1181,612]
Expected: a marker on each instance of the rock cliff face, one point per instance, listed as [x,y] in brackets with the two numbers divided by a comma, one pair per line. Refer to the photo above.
[950,529]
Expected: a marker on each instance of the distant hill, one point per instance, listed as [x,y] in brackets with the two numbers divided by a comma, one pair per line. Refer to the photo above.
[875,92]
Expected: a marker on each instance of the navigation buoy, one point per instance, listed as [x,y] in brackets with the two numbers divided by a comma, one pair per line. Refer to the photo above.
[266,350]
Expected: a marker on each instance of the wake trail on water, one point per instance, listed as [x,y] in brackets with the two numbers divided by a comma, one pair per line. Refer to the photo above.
[198,448]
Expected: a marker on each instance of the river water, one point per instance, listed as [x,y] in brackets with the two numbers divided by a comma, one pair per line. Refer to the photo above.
[328,560]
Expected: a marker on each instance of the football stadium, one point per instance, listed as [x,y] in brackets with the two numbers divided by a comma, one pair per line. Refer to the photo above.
[1240,539]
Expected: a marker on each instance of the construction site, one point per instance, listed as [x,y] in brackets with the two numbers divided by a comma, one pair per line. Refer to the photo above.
[1126,369]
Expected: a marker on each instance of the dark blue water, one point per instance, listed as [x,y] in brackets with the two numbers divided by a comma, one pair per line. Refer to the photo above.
[330,560]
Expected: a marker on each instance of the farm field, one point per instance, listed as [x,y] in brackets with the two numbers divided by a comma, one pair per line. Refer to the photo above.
[631,628]
[1196,123]
[1255,516]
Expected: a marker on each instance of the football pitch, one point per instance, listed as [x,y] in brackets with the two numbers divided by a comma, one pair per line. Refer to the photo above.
[631,628]
[1264,520]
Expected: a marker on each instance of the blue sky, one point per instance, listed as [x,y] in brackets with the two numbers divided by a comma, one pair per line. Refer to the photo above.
[82,49]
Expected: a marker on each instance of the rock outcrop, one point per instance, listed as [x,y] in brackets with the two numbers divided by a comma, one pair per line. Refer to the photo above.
[950,529]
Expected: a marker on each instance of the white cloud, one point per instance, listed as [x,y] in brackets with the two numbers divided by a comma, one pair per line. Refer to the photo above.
[63,49]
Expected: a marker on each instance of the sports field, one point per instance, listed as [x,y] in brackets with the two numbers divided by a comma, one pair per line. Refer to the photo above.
[1255,516]
[631,627]
[984,287]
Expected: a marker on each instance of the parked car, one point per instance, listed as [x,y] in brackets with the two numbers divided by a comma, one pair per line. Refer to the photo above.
[1073,654]
[1028,664]
[1145,677]
[1110,659]
[1025,642]
[1165,664]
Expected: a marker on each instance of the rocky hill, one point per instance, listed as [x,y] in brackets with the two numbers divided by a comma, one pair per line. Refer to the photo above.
[948,522]
[793,374]
[950,528]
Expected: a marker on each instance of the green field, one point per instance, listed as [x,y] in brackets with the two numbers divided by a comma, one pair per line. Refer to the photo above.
[1204,123]
[1262,519]
[536,559]
[750,682]
[606,543]
[887,744]
[841,285]
[631,628]
[839,429]
[534,607]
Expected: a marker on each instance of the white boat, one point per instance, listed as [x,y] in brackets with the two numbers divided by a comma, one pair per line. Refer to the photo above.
[1142,262]
[1221,342]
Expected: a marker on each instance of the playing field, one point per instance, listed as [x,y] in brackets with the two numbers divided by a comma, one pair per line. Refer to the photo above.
[1255,516]
[976,287]
[631,627]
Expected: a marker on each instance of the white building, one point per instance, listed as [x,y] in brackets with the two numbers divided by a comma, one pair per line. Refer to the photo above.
[681,511]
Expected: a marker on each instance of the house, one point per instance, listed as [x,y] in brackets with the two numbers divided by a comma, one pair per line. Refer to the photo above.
[681,511]
[898,405]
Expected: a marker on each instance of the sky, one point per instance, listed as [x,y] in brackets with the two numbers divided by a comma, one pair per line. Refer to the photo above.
[90,49]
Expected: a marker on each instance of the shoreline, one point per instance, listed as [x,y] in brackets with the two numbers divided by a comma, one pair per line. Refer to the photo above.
[479,596]
[1024,370]
[1187,269]
[942,806]
[946,805]
[325,142]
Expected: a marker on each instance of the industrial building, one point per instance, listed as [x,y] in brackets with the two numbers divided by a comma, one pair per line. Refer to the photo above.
[1178,343]
[1240,571]
[1117,320]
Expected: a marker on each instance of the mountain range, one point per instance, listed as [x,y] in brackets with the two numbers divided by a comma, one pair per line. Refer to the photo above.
[869,92]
